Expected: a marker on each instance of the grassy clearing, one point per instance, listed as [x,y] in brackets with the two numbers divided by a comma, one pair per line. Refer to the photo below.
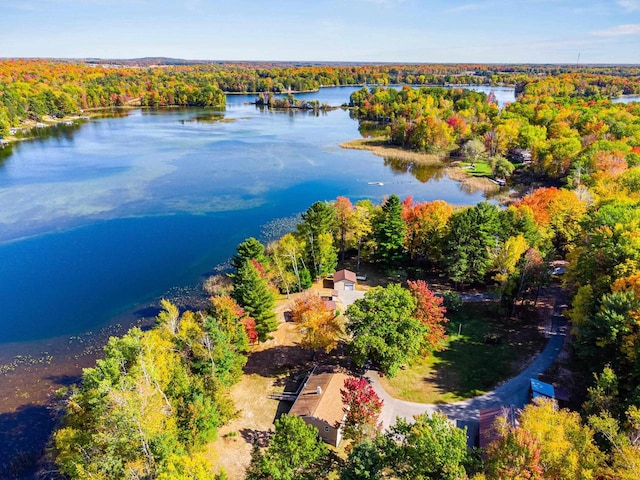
[469,366]
[476,169]
[232,450]
[470,183]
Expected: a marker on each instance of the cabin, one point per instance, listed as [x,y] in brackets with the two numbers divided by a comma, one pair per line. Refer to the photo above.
[344,280]
[319,403]
[520,155]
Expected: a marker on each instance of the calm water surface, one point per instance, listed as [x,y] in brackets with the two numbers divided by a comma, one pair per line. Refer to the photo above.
[627,99]
[100,220]
[122,209]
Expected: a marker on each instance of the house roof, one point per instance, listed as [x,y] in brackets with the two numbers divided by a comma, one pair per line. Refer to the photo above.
[326,405]
[341,275]
[541,389]
[330,305]
[488,417]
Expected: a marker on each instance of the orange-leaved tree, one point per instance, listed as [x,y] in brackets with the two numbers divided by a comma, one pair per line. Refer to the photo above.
[431,312]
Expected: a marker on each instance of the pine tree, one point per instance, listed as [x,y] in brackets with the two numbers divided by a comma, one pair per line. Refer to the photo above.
[389,232]
[252,292]
[247,250]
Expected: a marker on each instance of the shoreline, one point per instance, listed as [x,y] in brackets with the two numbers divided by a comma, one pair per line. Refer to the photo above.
[379,147]
[32,371]
[27,126]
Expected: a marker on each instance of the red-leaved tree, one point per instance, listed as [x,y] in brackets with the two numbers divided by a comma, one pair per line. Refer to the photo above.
[250,329]
[430,311]
[362,407]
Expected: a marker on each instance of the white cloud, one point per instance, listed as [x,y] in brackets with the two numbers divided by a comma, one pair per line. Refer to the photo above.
[620,30]
[629,5]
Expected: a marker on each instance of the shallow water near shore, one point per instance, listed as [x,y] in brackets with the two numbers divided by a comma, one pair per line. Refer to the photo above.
[99,223]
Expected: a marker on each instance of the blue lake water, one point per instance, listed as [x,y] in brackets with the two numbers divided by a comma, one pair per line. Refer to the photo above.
[100,220]
[106,216]
[627,99]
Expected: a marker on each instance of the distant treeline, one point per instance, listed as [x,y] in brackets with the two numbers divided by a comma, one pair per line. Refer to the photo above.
[31,89]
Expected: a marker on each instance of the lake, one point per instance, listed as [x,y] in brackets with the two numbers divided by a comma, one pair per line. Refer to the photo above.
[100,220]
[626,99]
[117,211]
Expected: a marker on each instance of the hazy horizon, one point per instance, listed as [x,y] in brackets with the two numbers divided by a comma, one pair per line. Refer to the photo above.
[347,31]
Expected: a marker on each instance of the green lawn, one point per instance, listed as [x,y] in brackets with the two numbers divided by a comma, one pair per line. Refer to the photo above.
[469,366]
[482,169]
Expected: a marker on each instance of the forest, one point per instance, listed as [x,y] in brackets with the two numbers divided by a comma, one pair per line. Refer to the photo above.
[573,132]
[31,89]
[181,370]
[153,404]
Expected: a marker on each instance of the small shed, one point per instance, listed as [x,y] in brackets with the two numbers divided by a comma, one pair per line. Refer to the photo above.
[344,280]
[320,404]
[541,389]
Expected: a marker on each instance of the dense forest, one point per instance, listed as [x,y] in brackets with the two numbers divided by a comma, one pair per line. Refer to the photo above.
[181,369]
[573,132]
[31,89]
[152,405]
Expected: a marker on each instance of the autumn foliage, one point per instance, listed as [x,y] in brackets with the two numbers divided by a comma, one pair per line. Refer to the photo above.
[362,407]
[319,324]
[431,312]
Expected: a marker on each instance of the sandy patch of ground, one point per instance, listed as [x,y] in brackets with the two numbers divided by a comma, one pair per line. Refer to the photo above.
[267,370]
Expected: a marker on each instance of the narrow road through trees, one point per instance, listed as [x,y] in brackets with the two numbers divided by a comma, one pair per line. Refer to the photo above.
[467,412]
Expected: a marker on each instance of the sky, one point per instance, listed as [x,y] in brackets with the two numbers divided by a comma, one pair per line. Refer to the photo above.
[403,31]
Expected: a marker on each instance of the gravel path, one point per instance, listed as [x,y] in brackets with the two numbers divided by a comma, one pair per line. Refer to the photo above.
[467,413]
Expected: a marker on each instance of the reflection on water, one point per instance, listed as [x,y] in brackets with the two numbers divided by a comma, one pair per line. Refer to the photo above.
[626,99]
[209,117]
[371,129]
[421,172]
[292,111]
[5,153]
[58,131]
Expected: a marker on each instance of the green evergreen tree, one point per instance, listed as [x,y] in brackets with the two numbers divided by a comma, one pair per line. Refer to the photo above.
[474,232]
[252,292]
[247,250]
[389,231]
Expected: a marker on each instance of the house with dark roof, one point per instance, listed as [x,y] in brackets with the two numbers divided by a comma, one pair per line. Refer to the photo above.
[520,155]
[319,403]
